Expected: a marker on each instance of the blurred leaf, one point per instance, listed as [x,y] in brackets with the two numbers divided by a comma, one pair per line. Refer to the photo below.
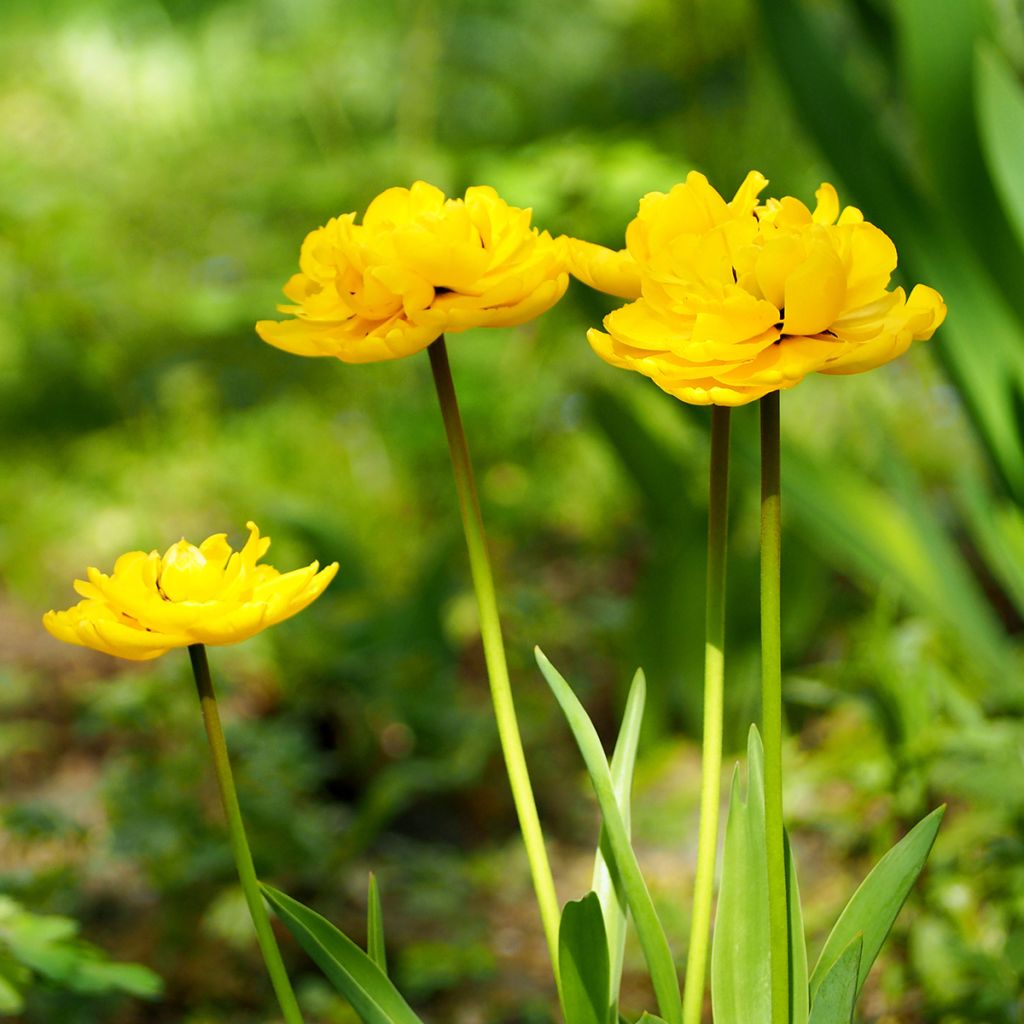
[608,887]
[741,946]
[375,926]
[936,34]
[583,963]
[900,541]
[848,129]
[14,978]
[1000,111]
[837,994]
[873,907]
[649,930]
[347,967]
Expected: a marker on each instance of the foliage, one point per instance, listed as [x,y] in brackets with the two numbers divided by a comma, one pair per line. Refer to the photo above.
[38,948]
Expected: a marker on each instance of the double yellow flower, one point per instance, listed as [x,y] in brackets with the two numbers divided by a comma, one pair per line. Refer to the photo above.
[736,299]
[208,594]
[418,266]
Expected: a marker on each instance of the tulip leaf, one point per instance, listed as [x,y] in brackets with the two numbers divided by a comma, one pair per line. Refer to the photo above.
[649,931]
[873,907]
[1000,111]
[345,965]
[607,883]
[375,925]
[583,963]
[649,1018]
[741,946]
[798,991]
[837,993]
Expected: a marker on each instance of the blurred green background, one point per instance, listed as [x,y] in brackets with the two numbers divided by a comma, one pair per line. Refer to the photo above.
[161,163]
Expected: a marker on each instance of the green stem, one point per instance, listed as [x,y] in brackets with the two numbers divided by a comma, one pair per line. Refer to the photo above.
[771,703]
[494,648]
[711,769]
[236,834]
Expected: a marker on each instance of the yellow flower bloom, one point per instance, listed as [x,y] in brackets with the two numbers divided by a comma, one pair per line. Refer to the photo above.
[189,595]
[736,299]
[418,266]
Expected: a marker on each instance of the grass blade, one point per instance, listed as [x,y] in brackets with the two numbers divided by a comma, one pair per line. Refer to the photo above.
[346,966]
[798,990]
[375,926]
[1000,112]
[649,930]
[873,907]
[607,885]
[741,947]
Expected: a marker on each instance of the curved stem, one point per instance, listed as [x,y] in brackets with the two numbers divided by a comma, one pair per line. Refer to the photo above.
[494,648]
[771,703]
[236,834]
[711,768]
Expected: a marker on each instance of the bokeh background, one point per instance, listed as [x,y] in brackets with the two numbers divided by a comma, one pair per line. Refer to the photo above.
[161,162]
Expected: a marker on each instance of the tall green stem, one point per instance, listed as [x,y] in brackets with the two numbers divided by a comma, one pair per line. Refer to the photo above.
[771,702]
[236,834]
[714,665]
[494,648]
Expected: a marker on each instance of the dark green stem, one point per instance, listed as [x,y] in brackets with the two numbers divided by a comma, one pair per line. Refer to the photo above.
[771,702]
[236,835]
[494,648]
[714,671]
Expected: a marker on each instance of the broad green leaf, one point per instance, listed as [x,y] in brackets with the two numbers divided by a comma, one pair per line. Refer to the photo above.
[375,926]
[999,101]
[873,907]
[609,887]
[741,946]
[649,931]
[837,994]
[583,963]
[346,966]
[798,991]
[649,1018]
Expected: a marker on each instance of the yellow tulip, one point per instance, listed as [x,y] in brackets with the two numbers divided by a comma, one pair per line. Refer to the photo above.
[736,299]
[418,266]
[208,594]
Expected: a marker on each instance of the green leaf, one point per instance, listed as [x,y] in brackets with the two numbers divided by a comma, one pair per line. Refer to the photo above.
[1000,112]
[97,976]
[838,992]
[583,963]
[649,1018]
[649,931]
[375,926]
[873,907]
[346,966]
[741,946]
[607,885]
[798,991]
